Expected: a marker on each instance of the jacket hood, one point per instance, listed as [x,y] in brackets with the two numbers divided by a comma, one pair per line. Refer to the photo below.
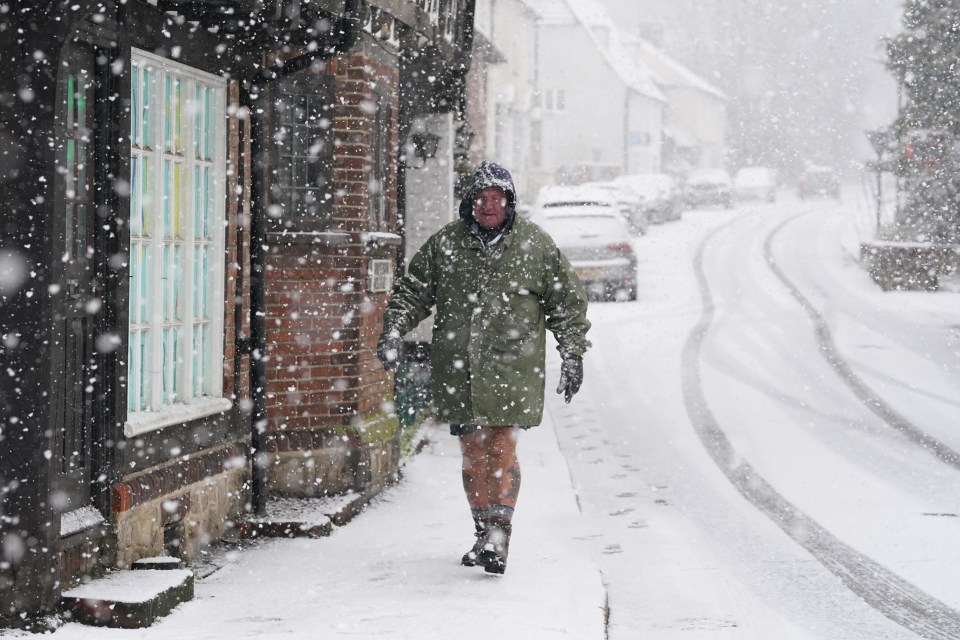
[489,174]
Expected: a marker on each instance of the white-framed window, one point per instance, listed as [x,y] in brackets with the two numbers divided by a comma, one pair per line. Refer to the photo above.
[380,276]
[554,100]
[177,202]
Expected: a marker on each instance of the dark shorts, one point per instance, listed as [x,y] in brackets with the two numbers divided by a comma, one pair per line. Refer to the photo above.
[466,429]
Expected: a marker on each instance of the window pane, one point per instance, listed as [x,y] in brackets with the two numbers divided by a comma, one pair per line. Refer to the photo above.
[197,199]
[81,244]
[68,229]
[205,279]
[168,357]
[197,280]
[135,105]
[145,366]
[171,199]
[136,220]
[205,209]
[208,125]
[199,373]
[198,124]
[71,99]
[175,275]
[81,170]
[146,275]
[167,307]
[168,115]
[146,95]
[71,168]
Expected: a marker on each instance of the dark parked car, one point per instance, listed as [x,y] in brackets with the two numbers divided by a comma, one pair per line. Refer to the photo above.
[819,181]
[659,193]
[709,187]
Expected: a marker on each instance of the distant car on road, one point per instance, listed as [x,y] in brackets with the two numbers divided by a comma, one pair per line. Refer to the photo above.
[755,183]
[819,180]
[596,241]
[709,187]
[659,192]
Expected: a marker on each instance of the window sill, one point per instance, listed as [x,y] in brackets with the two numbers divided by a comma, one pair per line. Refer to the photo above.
[322,238]
[380,238]
[145,421]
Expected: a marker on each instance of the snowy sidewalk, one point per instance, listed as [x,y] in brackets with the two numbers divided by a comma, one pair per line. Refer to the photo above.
[394,570]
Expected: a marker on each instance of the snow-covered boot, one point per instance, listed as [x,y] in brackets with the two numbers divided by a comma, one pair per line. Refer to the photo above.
[470,558]
[494,546]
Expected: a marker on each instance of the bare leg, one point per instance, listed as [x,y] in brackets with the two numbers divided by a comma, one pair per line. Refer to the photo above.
[491,480]
[491,471]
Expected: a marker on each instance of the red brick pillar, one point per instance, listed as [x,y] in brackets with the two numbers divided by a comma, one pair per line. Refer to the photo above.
[330,419]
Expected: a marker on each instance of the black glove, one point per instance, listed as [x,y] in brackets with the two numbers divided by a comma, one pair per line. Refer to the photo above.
[388,348]
[571,376]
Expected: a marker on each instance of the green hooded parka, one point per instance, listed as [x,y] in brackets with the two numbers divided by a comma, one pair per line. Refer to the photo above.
[494,302]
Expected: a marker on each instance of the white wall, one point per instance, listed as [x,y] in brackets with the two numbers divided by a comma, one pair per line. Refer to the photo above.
[511,86]
[430,201]
[705,116]
[591,129]
[644,134]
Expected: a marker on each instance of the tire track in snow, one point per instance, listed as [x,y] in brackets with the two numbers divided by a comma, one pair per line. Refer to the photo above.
[830,352]
[888,593]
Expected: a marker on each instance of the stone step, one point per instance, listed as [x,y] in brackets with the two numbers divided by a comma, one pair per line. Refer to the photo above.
[302,517]
[128,599]
[161,563]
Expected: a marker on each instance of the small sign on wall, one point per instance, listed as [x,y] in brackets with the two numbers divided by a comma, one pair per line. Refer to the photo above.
[380,276]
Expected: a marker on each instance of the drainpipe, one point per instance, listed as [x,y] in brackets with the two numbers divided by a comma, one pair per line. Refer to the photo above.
[349,26]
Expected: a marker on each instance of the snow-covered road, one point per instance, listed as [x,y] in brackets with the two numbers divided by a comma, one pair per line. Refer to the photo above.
[764,443]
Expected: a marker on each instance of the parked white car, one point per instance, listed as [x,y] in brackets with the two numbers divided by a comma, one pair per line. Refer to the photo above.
[586,195]
[709,187]
[755,183]
[596,241]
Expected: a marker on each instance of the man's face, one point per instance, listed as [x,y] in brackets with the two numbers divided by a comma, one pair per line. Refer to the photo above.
[490,207]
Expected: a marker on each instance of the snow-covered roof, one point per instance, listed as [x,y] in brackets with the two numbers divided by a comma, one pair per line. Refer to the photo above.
[552,11]
[680,75]
[632,71]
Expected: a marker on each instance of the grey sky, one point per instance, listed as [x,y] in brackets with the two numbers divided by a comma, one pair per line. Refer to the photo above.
[811,65]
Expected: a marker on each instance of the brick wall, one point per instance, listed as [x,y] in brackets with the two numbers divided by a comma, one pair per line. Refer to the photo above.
[199,497]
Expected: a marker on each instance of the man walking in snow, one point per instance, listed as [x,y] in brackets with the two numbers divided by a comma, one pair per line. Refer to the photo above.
[498,282]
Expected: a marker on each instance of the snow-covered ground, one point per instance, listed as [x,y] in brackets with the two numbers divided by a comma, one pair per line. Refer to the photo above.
[762,448]
[739,485]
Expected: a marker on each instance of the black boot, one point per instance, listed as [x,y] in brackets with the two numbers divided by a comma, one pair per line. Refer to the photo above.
[494,546]
[470,558]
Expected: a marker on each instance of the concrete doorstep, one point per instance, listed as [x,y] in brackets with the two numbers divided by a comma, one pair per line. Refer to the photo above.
[129,599]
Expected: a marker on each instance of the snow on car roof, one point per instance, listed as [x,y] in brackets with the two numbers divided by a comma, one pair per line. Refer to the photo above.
[580,194]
